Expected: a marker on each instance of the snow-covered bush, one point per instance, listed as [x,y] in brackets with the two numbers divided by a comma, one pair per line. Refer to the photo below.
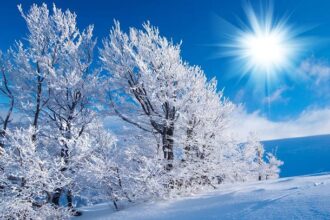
[253,164]
[28,176]
[272,170]
[97,170]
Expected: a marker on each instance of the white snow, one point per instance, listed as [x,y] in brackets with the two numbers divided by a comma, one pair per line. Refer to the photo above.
[304,197]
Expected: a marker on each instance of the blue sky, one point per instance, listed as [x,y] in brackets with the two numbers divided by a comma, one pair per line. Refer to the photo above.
[298,93]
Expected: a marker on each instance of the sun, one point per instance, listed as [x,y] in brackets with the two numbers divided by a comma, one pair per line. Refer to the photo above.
[265,50]
[264,47]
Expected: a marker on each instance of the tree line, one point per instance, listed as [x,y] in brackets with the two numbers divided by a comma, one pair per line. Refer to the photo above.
[58,89]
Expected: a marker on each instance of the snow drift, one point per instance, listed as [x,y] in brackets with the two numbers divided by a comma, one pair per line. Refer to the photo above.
[306,197]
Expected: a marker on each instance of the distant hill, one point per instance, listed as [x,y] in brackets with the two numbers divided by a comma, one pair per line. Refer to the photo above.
[302,156]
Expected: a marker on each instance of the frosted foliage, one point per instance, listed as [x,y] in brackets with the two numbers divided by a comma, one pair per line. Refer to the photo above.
[153,89]
[27,176]
[136,124]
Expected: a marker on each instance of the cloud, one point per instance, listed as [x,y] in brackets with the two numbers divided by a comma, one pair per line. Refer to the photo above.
[316,72]
[239,97]
[316,68]
[308,123]
[276,96]
[312,121]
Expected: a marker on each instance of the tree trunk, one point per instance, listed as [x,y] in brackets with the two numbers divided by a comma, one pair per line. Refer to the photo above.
[7,92]
[188,146]
[168,143]
[260,163]
[167,135]
[56,196]
[38,107]
[69,198]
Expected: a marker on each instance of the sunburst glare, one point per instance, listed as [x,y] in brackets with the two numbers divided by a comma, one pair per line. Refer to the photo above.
[265,50]
[263,47]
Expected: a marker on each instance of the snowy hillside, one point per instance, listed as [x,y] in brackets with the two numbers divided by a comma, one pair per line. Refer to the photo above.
[302,156]
[306,197]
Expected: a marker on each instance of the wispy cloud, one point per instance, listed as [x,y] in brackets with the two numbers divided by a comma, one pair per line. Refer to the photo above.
[317,73]
[239,97]
[316,68]
[313,121]
[276,96]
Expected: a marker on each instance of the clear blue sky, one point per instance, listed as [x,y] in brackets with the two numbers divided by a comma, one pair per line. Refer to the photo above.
[196,23]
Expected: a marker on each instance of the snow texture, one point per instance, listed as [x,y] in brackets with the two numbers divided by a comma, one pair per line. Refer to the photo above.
[305,197]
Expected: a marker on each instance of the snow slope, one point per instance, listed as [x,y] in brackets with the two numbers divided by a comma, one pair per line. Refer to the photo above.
[304,197]
[302,156]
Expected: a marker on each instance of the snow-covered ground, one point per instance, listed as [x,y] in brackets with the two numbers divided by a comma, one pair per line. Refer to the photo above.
[304,197]
[299,197]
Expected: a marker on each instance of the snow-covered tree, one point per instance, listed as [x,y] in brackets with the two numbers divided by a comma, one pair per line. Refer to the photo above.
[177,120]
[272,169]
[152,88]
[55,82]
[101,170]
[29,174]
[203,123]
[6,93]
[253,165]
[148,79]
[33,63]
[52,63]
